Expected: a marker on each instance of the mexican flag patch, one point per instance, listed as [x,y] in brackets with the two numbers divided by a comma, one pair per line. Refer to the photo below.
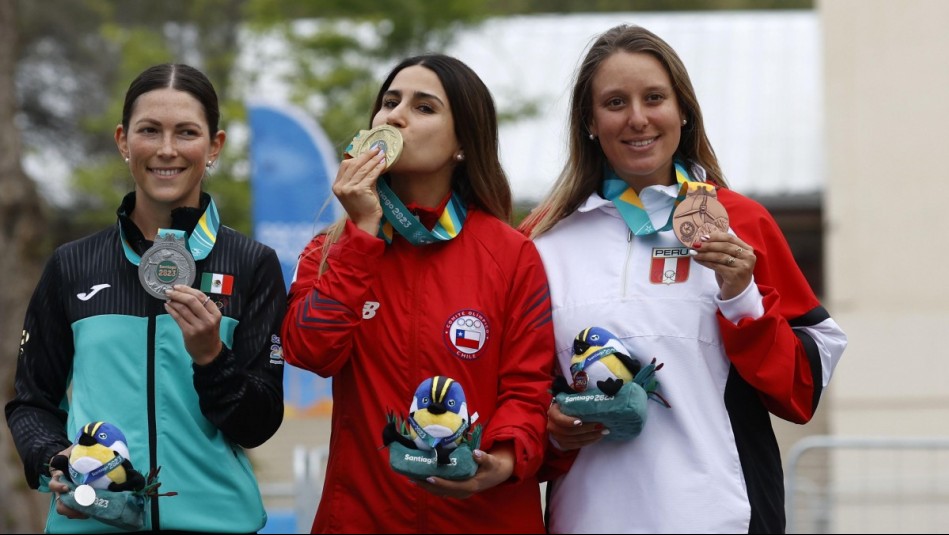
[217,283]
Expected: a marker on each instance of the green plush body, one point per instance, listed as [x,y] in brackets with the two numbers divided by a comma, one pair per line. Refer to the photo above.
[124,509]
[420,464]
[623,414]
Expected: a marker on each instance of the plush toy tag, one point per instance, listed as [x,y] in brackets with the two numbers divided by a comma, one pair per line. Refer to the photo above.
[623,414]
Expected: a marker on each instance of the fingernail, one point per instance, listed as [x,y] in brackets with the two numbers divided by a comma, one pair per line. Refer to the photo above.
[605,432]
[430,480]
[697,245]
[705,237]
[478,453]
[577,423]
[693,252]
[597,427]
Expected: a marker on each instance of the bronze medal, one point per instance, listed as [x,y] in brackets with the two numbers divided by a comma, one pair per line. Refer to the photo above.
[164,264]
[385,136]
[698,214]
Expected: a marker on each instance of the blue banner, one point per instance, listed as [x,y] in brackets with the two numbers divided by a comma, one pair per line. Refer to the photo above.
[293,165]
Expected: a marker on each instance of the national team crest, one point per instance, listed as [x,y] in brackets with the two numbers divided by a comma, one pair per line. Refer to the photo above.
[670,265]
[465,333]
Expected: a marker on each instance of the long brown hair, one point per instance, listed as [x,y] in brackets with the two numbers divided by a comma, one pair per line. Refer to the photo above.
[479,179]
[583,172]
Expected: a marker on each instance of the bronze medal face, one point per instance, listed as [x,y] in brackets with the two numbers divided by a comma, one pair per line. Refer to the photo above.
[166,263]
[697,215]
[385,136]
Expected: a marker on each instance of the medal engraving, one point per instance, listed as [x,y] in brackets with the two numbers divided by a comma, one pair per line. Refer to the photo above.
[386,137]
[697,215]
[165,264]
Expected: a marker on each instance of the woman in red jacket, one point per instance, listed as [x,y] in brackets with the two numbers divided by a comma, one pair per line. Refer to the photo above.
[382,301]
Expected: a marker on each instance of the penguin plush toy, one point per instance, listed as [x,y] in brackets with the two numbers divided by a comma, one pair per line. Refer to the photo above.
[436,438]
[100,459]
[607,385]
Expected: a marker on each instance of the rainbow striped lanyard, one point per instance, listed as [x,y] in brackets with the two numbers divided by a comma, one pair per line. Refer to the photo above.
[399,219]
[200,242]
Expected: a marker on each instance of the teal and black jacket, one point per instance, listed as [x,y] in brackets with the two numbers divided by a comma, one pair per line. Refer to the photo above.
[96,346]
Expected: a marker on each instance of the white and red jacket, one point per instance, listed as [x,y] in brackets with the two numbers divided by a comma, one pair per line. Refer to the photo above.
[709,464]
[382,319]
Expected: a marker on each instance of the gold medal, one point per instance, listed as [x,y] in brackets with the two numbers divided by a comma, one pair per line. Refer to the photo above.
[388,138]
[698,214]
[164,264]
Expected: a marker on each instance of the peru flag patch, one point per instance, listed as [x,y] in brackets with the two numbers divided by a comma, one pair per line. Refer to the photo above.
[670,265]
[217,283]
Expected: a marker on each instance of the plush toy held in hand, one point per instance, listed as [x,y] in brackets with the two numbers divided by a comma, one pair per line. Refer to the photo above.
[436,438]
[100,459]
[608,385]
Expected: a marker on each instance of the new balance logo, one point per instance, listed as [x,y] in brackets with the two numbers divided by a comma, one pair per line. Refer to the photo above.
[95,289]
[369,309]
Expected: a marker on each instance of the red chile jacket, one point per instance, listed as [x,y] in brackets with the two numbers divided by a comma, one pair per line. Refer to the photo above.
[382,319]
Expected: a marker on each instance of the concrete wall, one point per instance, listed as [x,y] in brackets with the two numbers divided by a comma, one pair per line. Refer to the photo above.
[887,129]
[886,72]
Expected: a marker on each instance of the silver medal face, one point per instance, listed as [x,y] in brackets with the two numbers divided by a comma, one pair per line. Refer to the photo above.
[165,264]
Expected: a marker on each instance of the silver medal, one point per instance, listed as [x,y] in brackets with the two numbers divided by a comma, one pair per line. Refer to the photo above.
[164,264]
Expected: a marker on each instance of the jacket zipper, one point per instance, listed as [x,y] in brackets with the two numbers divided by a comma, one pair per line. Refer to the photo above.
[629,255]
[152,430]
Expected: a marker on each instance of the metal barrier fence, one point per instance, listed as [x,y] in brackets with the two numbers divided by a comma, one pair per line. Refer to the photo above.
[868,485]
[833,484]
[303,493]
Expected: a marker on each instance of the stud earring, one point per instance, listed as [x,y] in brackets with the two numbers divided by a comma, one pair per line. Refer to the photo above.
[592,137]
[684,121]
[210,163]
[126,160]
[460,157]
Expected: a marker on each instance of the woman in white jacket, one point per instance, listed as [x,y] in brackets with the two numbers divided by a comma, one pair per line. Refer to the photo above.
[727,311]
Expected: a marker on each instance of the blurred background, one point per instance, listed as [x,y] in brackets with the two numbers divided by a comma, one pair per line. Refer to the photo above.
[832,113]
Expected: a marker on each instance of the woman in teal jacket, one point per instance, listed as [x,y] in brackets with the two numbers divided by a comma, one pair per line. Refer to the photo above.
[191,372]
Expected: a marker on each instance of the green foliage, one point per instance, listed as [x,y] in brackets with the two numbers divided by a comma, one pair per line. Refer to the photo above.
[338,52]
[512,7]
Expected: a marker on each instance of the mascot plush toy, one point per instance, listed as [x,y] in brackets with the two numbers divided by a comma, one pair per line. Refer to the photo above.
[607,385]
[437,437]
[102,482]
[100,459]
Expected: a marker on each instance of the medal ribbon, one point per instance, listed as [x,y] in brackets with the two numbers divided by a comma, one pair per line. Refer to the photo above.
[200,242]
[434,441]
[597,355]
[398,217]
[630,206]
[83,479]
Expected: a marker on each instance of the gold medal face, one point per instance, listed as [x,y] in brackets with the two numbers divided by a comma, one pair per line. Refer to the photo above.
[388,138]
[697,215]
[165,264]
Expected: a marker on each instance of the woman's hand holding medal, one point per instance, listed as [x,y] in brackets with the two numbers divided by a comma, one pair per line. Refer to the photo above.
[200,321]
[732,260]
[355,187]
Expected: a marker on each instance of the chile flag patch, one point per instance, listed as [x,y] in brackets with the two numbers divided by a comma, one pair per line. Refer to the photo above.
[465,333]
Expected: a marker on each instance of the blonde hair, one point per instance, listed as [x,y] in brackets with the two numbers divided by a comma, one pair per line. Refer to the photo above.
[583,172]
